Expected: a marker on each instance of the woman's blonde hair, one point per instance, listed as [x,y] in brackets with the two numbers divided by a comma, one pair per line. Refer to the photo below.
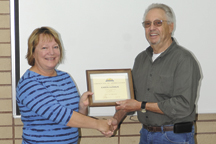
[34,40]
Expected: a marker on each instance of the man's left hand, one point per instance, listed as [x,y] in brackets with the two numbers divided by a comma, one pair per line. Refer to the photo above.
[128,105]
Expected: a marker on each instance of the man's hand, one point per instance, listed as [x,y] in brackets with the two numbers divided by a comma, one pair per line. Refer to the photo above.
[113,124]
[128,105]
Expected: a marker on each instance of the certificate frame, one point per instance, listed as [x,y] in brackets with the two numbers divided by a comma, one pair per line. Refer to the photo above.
[109,86]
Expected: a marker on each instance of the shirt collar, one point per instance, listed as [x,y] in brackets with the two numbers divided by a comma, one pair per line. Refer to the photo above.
[149,50]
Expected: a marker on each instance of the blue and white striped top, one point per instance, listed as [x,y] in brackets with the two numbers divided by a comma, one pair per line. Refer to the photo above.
[46,105]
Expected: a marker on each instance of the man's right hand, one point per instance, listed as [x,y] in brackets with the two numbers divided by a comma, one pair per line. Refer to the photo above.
[113,124]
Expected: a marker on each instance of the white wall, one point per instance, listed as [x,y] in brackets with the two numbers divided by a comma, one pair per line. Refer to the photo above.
[107,34]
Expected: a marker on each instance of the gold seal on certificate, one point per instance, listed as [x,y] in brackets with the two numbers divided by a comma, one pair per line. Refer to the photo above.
[109,86]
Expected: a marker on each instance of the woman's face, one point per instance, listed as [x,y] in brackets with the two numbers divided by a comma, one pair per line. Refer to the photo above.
[46,54]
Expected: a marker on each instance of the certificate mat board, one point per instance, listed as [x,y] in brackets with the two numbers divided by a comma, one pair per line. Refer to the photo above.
[109,86]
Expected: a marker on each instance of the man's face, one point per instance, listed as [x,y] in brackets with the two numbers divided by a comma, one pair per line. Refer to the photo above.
[158,36]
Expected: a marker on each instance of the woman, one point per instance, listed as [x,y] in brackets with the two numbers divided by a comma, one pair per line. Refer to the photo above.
[50,106]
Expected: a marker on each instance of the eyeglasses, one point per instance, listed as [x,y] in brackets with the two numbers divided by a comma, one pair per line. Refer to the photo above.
[156,23]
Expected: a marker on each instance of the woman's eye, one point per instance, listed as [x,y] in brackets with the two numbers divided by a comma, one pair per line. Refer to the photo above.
[56,47]
[44,47]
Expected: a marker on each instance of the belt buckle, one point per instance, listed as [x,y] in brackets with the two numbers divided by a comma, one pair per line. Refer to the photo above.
[150,129]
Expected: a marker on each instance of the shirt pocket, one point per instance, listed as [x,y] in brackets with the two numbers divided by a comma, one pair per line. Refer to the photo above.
[165,85]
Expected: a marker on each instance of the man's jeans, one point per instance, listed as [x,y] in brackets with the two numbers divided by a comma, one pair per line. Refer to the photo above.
[168,137]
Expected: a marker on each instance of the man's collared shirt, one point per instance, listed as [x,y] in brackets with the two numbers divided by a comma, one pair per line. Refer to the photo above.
[171,81]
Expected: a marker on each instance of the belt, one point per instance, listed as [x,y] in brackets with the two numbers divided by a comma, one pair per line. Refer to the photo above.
[158,128]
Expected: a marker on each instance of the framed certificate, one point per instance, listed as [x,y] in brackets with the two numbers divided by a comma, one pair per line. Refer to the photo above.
[109,86]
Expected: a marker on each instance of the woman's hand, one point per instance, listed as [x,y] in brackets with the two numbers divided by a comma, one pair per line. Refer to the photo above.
[114,125]
[84,102]
[105,128]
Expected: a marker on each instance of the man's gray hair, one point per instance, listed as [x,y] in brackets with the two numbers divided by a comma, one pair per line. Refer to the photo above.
[168,11]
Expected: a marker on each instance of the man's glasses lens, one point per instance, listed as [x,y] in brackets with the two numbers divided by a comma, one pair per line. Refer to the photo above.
[156,23]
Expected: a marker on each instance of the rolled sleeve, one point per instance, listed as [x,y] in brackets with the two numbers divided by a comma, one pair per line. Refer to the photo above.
[185,83]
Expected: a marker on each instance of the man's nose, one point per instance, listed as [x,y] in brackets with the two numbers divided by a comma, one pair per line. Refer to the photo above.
[152,27]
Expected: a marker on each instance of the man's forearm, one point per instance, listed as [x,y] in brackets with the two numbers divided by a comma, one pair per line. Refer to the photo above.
[120,115]
[153,107]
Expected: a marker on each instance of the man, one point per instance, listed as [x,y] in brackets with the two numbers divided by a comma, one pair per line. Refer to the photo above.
[166,78]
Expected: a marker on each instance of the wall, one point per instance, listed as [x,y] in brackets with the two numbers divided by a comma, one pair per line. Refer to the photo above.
[11,129]
[108,34]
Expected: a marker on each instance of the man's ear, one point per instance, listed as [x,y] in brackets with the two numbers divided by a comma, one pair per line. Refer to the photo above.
[171,27]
